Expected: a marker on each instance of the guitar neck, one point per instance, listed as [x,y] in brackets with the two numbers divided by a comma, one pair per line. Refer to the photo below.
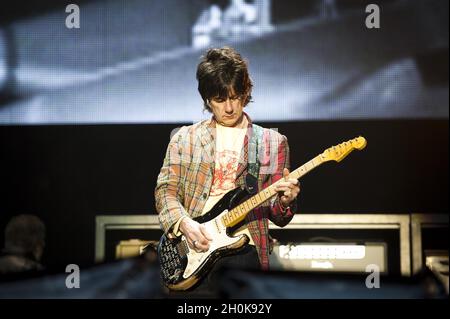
[238,213]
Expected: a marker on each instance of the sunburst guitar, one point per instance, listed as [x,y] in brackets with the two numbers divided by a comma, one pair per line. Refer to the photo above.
[182,267]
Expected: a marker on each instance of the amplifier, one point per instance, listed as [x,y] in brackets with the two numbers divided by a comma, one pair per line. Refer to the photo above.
[340,257]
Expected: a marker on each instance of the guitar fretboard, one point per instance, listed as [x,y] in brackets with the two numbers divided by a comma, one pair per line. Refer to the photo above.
[238,213]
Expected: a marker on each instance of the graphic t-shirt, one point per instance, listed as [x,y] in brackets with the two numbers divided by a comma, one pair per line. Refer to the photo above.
[229,143]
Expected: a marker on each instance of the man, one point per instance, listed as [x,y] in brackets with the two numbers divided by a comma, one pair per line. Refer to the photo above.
[24,245]
[206,160]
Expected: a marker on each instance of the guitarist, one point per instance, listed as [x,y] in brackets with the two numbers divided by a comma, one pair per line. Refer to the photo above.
[206,160]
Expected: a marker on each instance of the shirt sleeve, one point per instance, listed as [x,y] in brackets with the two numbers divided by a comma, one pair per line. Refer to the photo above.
[279,215]
[169,194]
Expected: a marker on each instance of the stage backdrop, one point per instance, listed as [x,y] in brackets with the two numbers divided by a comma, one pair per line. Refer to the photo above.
[86,113]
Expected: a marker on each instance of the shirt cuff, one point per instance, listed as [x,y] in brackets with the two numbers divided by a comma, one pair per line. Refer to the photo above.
[176,228]
[292,208]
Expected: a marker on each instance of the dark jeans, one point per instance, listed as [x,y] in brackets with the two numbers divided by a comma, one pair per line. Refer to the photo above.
[209,287]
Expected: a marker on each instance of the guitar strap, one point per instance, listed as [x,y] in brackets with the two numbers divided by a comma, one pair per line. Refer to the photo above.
[251,179]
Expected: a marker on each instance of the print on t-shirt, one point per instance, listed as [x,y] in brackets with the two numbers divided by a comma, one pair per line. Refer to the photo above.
[225,172]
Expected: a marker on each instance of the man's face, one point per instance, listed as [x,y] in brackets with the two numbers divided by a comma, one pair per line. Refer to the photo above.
[228,112]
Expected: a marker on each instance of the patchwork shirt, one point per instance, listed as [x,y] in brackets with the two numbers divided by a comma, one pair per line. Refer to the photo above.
[186,176]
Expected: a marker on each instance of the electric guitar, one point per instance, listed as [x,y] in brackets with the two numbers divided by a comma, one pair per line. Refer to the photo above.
[182,267]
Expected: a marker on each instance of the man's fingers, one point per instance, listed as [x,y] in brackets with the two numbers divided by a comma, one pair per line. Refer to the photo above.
[193,244]
[205,233]
[283,188]
[291,183]
[286,174]
[288,192]
[199,245]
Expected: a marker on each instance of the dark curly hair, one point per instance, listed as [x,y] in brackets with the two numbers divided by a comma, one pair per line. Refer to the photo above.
[220,71]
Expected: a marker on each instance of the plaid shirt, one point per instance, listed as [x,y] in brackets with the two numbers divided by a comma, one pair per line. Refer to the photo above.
[186,176]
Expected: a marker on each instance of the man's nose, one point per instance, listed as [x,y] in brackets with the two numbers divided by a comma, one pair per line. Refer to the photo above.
[228,106]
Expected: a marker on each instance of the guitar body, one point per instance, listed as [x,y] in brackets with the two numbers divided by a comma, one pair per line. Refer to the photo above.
[182,267]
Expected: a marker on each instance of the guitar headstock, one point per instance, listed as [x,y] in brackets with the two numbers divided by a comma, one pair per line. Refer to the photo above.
[339,152]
